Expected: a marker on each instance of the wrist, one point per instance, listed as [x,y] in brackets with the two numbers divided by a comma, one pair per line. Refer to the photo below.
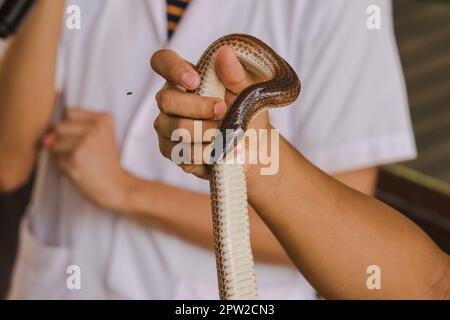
[137,196]
[266,170]
[128,186]
[259,158]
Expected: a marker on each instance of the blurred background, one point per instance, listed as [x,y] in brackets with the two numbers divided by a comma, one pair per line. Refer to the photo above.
[420,188]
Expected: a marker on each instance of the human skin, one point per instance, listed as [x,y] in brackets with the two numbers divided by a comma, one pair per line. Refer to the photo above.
[27,95]
[332,232]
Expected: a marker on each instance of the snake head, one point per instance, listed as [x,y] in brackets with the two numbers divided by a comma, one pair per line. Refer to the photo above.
[224,143]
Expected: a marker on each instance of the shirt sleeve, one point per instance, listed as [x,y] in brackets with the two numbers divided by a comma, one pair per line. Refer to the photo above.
[353,112]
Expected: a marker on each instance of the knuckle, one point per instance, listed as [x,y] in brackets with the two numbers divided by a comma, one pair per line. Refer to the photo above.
[237,82]
[164,100]
[157,124]
[157,96]
[206,109]
[164,149]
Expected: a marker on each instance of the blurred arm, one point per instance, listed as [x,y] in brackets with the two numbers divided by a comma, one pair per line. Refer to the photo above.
[27,75]
[187,214]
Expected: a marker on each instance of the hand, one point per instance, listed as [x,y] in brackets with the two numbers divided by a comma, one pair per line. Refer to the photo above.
[179,109]
[85,149]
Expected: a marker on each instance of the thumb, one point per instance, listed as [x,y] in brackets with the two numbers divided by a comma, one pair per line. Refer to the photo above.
[230,70]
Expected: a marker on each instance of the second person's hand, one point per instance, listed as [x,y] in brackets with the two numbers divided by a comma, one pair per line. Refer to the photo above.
[84,148]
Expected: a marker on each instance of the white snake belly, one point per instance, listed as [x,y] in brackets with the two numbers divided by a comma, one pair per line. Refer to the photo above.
[280,87]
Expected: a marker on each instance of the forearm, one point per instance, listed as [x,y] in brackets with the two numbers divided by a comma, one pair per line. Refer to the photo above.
[187,214]
[333,234]
[27,72]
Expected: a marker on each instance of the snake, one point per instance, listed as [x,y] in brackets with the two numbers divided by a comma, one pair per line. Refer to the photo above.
[279,86]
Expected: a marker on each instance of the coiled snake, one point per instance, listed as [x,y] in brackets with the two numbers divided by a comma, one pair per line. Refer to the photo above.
[280,87]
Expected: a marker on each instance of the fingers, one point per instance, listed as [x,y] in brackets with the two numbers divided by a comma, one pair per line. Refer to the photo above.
[66,135]
[165,125]
[188,157]
[185,153]
[179,109]
[77,123]
[174,102]
[197,170]
[71,128]
[230,70]
[175,69]
[77,114]
[64,145]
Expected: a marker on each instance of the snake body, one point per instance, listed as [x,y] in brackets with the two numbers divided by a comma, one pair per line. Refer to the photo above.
[280,86]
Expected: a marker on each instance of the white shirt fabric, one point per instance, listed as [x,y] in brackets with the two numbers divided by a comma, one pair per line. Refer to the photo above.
[352,114]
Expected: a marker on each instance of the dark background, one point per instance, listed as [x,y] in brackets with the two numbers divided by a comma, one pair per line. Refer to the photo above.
[420,188]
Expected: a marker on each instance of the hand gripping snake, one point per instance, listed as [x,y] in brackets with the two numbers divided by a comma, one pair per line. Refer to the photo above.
[280,87]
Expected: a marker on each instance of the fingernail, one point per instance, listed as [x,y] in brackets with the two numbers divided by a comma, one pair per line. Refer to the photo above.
[220,108]
[190,80]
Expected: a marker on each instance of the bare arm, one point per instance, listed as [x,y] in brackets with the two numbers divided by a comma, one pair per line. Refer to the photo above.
[363,180]
[27,71]
[333,233]
[187,215]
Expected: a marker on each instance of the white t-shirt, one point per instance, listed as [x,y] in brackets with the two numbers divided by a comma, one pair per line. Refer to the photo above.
[352,114]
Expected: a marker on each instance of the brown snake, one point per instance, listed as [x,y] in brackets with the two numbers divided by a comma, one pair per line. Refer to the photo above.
[280,87]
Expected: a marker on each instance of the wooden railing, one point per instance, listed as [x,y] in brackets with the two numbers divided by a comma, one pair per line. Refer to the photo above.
[423,199]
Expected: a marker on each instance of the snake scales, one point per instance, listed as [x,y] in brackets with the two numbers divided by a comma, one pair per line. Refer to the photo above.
[280,86]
